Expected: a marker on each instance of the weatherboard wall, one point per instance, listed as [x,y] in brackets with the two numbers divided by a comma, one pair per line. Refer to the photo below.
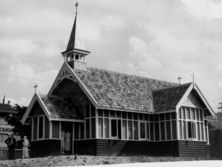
[124,147]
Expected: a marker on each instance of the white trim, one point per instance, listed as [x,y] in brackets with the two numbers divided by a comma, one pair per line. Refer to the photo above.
[134,111]
[139,137]
[154,132]
[208,138]
[84,88]
[194,138]
[90,126]
[66,120]
[37,136]
[195,87]
[165,127]
[42,104]
[178,124]
[204,99]
[171,127]
[80,132]
[50,129]
[73,131]
[58,77]
[60,130]
[43,127]
[111,136]
[160,134]
[73,139]
[180,103]
[96,122]
[28,109]
[198,131]
[35,98]
[32,133]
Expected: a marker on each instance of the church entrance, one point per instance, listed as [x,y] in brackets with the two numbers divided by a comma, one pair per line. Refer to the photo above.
[66,137]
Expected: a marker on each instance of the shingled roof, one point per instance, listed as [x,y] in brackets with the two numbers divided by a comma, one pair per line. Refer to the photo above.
[167,99]
[59,107]
[122,91]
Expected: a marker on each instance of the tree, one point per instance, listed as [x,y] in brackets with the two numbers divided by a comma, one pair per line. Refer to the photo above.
[15,119]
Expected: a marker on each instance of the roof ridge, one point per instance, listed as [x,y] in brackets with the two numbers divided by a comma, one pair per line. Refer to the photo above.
[177,86]
[132,75]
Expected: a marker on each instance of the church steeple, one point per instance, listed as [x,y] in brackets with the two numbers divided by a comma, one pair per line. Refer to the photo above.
[76,51]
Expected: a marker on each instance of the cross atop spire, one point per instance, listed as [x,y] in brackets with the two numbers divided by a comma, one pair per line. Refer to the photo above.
[76,5]
[76,51]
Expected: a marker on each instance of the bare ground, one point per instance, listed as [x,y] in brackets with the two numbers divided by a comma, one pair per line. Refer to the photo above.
[81,160]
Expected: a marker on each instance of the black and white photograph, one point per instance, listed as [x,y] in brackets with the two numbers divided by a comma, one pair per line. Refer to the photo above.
[111,83]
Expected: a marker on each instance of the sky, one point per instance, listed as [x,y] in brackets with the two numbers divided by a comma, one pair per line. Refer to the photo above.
[160,39]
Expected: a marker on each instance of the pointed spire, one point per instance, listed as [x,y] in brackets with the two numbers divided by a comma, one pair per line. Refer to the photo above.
[75,39]
[76,51]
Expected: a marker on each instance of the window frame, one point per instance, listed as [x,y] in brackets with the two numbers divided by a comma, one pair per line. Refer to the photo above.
[111,136]
[43,127]
[193,130]
[52,130]
[145,130]
[198,124]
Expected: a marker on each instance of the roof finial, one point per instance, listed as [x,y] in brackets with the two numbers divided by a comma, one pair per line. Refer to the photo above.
[193,77]
[76,5]
[179,79]
[35,87]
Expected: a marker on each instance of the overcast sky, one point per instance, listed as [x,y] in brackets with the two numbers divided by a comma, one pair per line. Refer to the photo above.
[161,39]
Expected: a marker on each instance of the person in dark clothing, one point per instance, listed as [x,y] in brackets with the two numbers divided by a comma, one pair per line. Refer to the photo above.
[11,143]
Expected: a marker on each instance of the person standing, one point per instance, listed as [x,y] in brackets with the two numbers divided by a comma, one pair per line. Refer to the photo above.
[68,142]
[25,149]
[63,141]
[11,143]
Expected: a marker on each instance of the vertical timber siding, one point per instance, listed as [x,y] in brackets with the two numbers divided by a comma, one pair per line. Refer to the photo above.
[193,100]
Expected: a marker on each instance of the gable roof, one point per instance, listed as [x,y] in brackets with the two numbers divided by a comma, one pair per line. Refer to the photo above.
[194,86]
[116,91]
[59,107]
[119,91]
[167,99]
[54,107]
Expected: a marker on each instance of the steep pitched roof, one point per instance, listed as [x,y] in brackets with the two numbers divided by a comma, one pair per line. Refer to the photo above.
[121,91]
[167,99]
[59,107]
[75,40]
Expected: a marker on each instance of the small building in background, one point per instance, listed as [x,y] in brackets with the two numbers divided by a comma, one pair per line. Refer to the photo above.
[5,128]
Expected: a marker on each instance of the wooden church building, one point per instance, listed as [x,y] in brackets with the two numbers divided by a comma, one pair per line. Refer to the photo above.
[100,112]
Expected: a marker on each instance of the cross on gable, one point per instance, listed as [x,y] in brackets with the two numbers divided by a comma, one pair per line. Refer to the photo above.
[35,87]
[179,79]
